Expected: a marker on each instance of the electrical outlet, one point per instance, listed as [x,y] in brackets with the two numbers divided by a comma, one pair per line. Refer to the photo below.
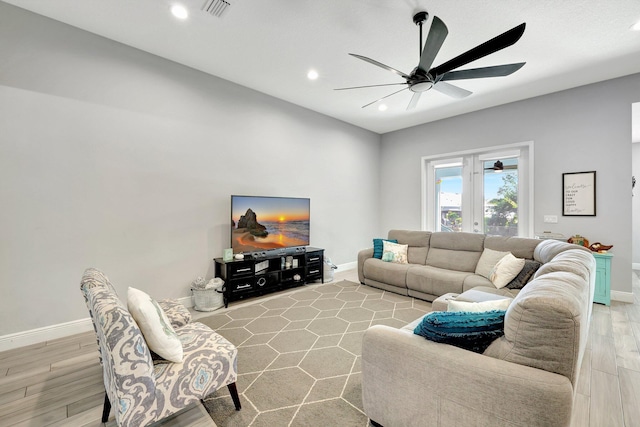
[551,219]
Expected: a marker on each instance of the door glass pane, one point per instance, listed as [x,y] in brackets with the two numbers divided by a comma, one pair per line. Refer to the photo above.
[501,197]
[448,198]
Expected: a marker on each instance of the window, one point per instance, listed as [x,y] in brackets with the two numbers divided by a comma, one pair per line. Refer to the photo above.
[488,191]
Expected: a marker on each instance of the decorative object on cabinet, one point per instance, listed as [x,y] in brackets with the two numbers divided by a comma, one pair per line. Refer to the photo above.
[579,193]
[599,247]
[579,240]
[602,292]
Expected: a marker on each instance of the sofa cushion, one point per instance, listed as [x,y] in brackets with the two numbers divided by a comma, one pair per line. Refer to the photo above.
[394,252]
[506,270]
[475,280]
[488,260]
[378,246]
[155,325]
[520,247]
[435,281]
[471,331]
[386,272]
[418,242]
[563,263]
[455,251]
[549,249]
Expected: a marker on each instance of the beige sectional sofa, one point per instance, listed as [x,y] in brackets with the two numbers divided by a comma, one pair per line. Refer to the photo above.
[439,263]
[527,377]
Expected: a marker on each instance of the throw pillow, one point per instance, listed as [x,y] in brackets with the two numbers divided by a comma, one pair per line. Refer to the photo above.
[394,252]
[377,247]
[476,307]
[471,331]
[506,270]
[488,260]
[155,326]
[525,275]
[387,257]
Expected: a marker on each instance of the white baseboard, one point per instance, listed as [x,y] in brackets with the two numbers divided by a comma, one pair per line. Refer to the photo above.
[348,266]
[622,296]
[48,333]
[186,301]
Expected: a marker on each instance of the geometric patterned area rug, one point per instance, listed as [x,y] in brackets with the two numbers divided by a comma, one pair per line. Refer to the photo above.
[299,354]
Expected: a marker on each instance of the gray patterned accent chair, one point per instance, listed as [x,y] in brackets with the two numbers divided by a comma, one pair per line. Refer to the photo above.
[142,387]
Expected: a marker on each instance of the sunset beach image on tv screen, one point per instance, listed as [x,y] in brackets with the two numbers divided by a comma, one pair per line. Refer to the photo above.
[264,223]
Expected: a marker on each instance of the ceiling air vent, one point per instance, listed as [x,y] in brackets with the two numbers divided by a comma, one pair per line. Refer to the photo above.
[216,7]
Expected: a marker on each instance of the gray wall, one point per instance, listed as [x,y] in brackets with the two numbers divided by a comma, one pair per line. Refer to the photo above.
[636,205]
[114,158]
[583,129]
[117,159]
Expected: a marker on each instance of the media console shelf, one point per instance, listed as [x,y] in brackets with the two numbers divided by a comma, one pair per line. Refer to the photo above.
[269,272]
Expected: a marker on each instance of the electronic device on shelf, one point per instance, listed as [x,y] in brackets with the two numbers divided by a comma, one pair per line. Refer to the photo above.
[266,226]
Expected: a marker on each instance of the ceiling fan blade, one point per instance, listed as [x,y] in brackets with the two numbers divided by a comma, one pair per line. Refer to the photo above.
[451,90]
[414,101]
[385,97]
[381,65]
[476,73]
[360,87]
[500,42]
[437,34]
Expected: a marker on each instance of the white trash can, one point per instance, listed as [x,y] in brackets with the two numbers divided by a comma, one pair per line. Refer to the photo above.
[211,297]
[328,269]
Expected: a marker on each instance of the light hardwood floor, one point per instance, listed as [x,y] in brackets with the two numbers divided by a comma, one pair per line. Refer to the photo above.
[59,383]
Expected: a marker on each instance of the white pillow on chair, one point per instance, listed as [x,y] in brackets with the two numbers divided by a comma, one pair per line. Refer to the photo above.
[155,326]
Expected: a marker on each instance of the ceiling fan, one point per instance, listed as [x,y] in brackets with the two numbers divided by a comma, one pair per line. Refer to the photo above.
[423,77]
[498,166]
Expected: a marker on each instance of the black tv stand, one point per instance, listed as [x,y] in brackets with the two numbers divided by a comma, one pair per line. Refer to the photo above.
[269,271]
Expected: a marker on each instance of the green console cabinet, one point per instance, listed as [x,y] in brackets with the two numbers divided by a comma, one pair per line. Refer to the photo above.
[602,293]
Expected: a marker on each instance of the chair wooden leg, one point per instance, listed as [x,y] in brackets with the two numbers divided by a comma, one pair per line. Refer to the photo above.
[106,409]
[233,390]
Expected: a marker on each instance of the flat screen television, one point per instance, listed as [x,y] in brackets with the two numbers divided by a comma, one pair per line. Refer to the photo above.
[265,223]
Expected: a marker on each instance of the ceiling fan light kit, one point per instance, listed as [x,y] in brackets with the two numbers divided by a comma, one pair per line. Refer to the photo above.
[424,78]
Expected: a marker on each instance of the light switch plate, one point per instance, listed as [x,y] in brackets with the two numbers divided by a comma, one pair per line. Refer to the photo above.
[551,219]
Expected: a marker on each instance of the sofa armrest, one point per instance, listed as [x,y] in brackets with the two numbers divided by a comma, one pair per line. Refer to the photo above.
[363,255]
[177,313]
[410,381]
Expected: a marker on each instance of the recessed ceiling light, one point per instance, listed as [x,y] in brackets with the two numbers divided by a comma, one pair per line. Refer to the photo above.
[636,26]
[179,11]
[312,75]
[382,107]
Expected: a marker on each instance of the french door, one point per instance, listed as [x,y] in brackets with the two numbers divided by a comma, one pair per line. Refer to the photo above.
[484,192]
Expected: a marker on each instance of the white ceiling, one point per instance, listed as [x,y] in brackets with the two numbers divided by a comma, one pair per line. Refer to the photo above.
[270,45]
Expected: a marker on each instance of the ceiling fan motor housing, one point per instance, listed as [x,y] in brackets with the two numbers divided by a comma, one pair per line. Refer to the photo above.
[420,81]
[420,17]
